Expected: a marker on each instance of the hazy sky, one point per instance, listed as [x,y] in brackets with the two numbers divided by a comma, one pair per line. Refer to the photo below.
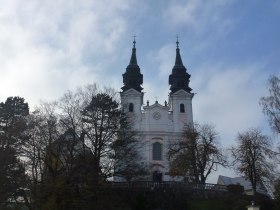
[230,48]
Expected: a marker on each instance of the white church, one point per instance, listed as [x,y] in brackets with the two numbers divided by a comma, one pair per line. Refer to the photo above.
[157,124]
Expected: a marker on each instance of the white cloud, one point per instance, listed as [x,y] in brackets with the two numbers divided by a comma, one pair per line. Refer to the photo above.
[229,98]
[50,46]
[155,83]
[166,58]
[199,16]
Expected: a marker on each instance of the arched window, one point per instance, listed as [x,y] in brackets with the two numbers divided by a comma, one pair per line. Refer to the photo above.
[130,107]
[182,108]
[157,151]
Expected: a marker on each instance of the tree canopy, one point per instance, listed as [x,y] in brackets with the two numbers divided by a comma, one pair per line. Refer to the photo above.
[252,157]
[271,103]
[13,135]
[60,155]
[197,154]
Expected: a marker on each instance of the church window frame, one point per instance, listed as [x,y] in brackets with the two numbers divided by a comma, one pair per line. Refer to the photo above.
[130,107]
[182,108]
[157,151]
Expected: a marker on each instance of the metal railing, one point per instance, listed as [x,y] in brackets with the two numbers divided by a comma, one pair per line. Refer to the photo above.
[167,185]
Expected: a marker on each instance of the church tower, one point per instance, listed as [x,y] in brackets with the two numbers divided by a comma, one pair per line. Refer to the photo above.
[132,95]
[157,125]
[180,97]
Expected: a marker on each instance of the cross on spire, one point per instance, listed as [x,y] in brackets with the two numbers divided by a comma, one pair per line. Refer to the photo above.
[134,42]
[177,42]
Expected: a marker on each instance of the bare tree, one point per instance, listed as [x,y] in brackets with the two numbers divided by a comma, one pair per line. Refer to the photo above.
[197,154]
[94,116]
[42,131]
[72,103]
[252,157]
[74,146]
[271,103]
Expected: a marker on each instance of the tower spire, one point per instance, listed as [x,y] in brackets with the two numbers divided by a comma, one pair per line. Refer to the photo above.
[133,59]
[179,79]
[178,60]
[133,78]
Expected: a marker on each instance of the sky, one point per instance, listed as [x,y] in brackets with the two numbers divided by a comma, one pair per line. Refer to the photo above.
[230,48]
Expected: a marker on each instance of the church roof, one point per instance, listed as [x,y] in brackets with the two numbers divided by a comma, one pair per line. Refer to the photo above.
[224,180]
[236,180]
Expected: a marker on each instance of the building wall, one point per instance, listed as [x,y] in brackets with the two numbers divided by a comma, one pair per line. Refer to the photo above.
[158,123]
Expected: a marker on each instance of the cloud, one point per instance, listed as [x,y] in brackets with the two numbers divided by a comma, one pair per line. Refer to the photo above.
[166,59]
[48,47]
[197,13]
[159,66]
[225,95]
[229,97]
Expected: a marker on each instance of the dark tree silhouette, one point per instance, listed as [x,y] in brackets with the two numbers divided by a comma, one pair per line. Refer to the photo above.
[252,157]
[70,148]
[100,124]
[12,137]
[128,162]
[197,154]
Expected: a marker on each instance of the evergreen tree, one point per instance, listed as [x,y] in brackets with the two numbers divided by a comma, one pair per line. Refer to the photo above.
[12,137]
[100,124]
[128,162]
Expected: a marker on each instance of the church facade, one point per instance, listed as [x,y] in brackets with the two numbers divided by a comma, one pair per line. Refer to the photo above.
[157,125]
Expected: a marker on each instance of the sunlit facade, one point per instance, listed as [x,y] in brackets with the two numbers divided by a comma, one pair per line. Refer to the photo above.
[157,125]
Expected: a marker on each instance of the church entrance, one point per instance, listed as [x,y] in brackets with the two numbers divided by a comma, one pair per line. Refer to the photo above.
[157,176]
